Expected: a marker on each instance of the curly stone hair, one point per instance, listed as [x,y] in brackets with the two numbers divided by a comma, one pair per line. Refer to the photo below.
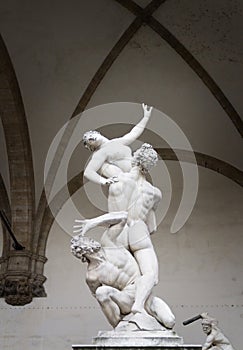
[145,157]
[208,320]
[89,134]
[82,245]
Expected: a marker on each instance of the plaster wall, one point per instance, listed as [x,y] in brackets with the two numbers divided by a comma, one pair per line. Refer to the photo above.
[200,270]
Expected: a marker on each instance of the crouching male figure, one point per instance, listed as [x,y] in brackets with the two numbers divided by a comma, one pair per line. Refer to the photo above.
[111,276]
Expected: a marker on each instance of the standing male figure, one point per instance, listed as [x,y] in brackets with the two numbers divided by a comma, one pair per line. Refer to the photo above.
[133,194]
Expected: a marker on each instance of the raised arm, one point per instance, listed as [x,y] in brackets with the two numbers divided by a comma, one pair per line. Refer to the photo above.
[138,129]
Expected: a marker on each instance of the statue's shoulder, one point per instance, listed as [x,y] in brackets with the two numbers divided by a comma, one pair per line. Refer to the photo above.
[152,187]
[91,275]
[94,273]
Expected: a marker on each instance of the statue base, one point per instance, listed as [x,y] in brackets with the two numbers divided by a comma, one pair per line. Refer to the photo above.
[137,338]
[138,332]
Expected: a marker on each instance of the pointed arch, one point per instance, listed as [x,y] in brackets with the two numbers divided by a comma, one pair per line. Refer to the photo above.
[18,146]
[5,207]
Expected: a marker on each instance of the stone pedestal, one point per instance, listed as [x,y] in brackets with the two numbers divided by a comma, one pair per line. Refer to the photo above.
[137,340]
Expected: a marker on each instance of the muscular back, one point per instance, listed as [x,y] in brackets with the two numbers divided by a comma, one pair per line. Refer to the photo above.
[137,197]
[144,198]
[120,193]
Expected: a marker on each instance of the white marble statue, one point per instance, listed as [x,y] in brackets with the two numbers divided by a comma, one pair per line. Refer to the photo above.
[123,268]
[111,276]
[133,194]
[215,340]
[115,151]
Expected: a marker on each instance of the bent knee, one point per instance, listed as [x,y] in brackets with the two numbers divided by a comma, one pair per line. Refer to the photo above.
[103,293]
[169,321]
[152,276]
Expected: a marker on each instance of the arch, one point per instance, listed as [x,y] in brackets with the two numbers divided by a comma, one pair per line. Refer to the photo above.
[18,150]
[205,161]
[186,55]
[5,206]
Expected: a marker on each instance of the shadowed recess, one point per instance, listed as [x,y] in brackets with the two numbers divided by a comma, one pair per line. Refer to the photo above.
[18,146]
[5,207]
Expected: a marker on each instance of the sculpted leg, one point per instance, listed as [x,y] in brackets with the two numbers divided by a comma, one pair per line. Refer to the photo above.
[157,308]
[142,248]
[124,301]
[148,265]
[109,307]
[114,303]
[144,287]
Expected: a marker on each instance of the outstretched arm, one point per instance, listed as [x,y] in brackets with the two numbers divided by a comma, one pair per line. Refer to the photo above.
[139,128]
[103,220]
